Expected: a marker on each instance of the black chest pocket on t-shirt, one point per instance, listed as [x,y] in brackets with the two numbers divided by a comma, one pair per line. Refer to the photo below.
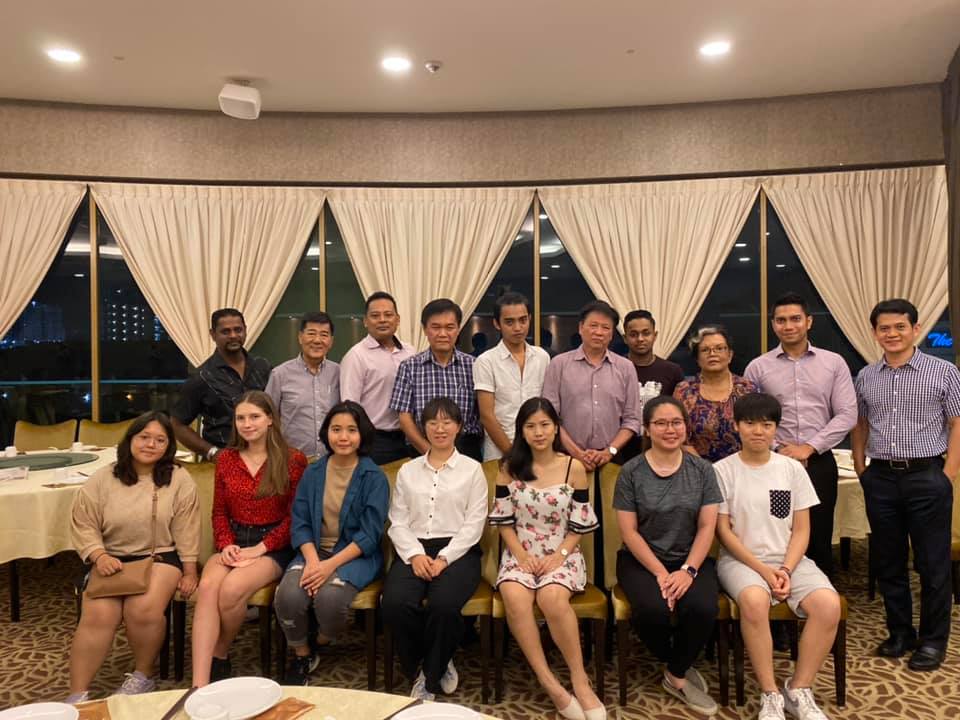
[780,503]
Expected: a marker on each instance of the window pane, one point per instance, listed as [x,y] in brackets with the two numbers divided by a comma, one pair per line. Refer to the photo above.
[345,299]
[278,341]
[141,368]
[45,358]
[939,341]
[733,301]
[514,275]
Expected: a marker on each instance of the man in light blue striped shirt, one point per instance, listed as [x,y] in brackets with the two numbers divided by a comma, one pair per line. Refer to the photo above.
[909,405]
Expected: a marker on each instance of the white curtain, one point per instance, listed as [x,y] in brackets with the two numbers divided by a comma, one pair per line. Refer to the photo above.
[34,217]
[657,245]
[867,236]
[193,249]
[419,244]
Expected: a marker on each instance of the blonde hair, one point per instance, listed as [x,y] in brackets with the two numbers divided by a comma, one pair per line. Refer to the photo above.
[276,475]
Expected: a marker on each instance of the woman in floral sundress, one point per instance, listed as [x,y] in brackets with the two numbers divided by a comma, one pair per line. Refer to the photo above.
[542,509]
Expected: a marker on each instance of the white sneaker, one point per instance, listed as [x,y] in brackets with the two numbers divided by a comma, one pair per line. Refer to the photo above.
[78,697]
[801,704]
[450,679]
[420,691]
[771,706]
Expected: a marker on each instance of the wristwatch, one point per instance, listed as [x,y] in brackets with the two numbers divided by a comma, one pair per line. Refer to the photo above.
[564,552]
[612,450]
[689,569]
[212,452]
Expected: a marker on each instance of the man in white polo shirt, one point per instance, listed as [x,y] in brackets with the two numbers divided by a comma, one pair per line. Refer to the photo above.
[507,374]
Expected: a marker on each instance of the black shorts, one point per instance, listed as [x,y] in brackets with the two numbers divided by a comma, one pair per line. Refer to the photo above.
[250,535]
[169,557]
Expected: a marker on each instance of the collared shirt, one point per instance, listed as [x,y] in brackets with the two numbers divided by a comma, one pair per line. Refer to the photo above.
[303,401]
[445,502]
[496,371]
[212,393]
[816,394]
[908,408]
[367,374]
[421,378]
[594,403]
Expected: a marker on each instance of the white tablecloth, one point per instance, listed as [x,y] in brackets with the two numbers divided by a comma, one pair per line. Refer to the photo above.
[850,514]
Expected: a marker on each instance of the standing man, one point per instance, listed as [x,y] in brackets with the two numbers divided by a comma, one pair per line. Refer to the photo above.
[218,383]
[815,390]
[368,371]
[508,374]
[909,405]
[439,371]
[595,391]
[305,388]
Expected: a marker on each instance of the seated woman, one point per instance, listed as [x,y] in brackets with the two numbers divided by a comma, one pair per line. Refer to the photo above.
[764,526]
[542,509]
[255,482]
[709,397]
[437,515]
[666,502]
[142,503]
[338,518]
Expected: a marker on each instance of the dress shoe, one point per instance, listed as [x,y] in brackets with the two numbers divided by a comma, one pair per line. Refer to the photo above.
[926,657]
[896,646]
[572,711]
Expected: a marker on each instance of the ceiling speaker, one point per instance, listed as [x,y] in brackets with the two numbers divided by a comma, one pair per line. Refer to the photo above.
[240,101]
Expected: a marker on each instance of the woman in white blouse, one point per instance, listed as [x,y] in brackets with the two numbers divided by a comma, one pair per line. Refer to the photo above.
[437,514]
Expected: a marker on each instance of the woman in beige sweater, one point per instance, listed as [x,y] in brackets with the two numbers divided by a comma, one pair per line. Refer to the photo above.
[111,524]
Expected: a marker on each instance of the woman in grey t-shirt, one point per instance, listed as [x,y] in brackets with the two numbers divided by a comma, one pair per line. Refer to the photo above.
[666,502]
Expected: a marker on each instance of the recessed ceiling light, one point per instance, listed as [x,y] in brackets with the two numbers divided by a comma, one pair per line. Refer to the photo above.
[64,55]
[544,277]
[555,267]
[395,64]
[715,48]
[79,275]
[543,216]
[328,242]
[744,259]
[739,244]
[781,265]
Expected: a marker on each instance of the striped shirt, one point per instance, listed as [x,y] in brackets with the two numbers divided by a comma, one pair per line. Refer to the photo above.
[908,408]
[421,378]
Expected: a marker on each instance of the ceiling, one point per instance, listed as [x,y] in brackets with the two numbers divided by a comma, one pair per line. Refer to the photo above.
[323,56]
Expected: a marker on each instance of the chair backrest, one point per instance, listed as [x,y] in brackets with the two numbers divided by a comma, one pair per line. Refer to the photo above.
[612,541]
[102,434]
[27,436]
[202,474]
[490,540]
[390,470]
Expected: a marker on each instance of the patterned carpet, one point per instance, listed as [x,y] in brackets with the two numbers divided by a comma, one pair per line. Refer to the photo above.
[34,656]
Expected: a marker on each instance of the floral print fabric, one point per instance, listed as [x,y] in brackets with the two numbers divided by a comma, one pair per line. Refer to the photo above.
[712,432]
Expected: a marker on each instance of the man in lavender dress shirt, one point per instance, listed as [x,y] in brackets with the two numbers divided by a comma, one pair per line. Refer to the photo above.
[595,391]
[815,389]
[367,373]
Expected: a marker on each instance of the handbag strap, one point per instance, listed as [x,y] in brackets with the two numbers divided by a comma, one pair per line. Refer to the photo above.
[153,523]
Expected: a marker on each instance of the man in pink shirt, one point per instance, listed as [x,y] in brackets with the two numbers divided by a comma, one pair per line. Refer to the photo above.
[367,373]
[815,390]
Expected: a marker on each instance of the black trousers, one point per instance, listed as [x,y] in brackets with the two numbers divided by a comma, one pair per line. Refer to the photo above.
[822,470]
[428,635]
[915,504]
[678,644]
[471,446]
[389,445]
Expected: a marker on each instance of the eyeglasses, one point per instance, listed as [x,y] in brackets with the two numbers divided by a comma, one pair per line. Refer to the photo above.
[314,335]
[664,424]
[716,350]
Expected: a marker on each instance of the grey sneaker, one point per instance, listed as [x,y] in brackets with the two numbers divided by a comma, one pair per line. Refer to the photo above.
[695,698]
[450,679]
[420,691]
[801,704]
[693,676]
[771,706]
[135,683]
[77,698]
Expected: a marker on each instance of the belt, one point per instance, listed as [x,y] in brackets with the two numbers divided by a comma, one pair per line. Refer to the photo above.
[907,464]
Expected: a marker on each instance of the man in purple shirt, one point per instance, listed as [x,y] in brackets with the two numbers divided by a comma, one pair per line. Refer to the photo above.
[595,391]
[815,389]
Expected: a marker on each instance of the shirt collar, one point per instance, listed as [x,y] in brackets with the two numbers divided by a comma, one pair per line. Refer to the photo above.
[579,354]
[451,461]
[915,361]
[371,343]
[302,364]
[780,352]
[219,360]
[426,357]
[505,351]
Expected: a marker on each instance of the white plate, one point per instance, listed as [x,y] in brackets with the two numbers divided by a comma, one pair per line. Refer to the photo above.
[437,711]
[41,711]
[243,697]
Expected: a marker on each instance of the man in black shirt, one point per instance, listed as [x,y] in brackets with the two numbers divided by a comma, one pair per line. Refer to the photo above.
[218,383]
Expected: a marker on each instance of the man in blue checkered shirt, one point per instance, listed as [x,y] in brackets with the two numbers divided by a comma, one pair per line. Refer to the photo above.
[909,405]
[440,371]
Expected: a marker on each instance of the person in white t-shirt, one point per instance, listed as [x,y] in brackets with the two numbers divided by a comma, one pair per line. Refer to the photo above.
[764,527]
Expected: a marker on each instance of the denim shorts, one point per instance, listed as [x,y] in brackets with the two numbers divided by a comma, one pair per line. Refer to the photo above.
[250,535]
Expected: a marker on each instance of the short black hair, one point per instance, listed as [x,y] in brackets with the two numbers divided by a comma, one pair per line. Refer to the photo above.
[319,318]
[225,312]
[790,298]
[651,405]
[379,295]
[510,298]
[639,315]
[359,415]
[441,406]
[757,407]
[602,307]
[693,342]
[895,306]
[439,307]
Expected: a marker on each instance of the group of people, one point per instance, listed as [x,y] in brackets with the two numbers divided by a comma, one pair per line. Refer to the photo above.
[746,459]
